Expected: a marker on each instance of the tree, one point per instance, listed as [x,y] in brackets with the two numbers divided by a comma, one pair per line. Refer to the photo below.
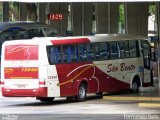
[13,11]
[152,9]
[121,15]
[32,11]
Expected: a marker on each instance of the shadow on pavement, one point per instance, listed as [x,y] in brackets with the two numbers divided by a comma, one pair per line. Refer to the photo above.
[59,101]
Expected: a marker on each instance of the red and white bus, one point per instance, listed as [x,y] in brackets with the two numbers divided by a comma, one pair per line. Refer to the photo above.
[71,67]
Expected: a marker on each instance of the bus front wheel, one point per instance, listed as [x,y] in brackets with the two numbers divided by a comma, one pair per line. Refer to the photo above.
[82,91]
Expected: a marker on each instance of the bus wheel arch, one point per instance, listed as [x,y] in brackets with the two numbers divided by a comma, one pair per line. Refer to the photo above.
[82,91]
[135,84]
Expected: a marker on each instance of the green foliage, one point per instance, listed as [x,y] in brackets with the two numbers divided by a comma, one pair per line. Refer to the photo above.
[152,9]
[121,15]
[13,11]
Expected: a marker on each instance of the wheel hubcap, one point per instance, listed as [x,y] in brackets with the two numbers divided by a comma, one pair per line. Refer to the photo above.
[81,92]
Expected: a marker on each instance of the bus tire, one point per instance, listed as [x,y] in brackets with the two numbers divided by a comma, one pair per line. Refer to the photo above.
[135,85]
[82,91]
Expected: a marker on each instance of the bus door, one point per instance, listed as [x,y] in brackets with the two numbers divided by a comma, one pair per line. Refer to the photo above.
[146,53]
[53,89]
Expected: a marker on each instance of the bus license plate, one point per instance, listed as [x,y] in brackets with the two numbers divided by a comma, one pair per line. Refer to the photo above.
[21,86]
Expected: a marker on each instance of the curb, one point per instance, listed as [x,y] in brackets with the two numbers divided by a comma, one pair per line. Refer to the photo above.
[149,105]
[125,98]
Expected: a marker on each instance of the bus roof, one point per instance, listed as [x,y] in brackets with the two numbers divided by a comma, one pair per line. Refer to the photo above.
[80,39]
[102,37]
[115,37]
[22,24]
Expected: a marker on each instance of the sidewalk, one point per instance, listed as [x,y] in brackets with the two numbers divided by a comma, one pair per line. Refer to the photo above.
[151,94]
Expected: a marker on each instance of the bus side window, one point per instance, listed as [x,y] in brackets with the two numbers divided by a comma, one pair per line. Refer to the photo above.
[74,53]
[121,52]
[51,55]
[90,52]
[58,54]
[66,54]
[22,34]
[113,50]
[36,32]
[7,35]
[104,50]
[83,52]
[146,53]
[51,52]
[132,48]
[97,51]
[126,46]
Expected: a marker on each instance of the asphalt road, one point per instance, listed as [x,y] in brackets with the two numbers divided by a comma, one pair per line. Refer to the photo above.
[94,108]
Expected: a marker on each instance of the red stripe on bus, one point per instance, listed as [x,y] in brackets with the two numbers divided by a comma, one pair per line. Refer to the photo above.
[70,41]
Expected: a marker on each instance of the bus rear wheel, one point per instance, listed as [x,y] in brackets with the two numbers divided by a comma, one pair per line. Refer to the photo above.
[135,85]
[82,91]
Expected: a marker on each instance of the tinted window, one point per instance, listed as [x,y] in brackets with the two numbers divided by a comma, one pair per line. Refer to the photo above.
[97,51]
[7,35]
[66,54]
[113,50]
[146,53]
[94,51]
[74,53]
[104,50]
[83,52]
[90,52]
[35,33]
[132,48]
[58,54]
[16,34]
[52,55]
[50,32]
[121,49]
[126,48]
